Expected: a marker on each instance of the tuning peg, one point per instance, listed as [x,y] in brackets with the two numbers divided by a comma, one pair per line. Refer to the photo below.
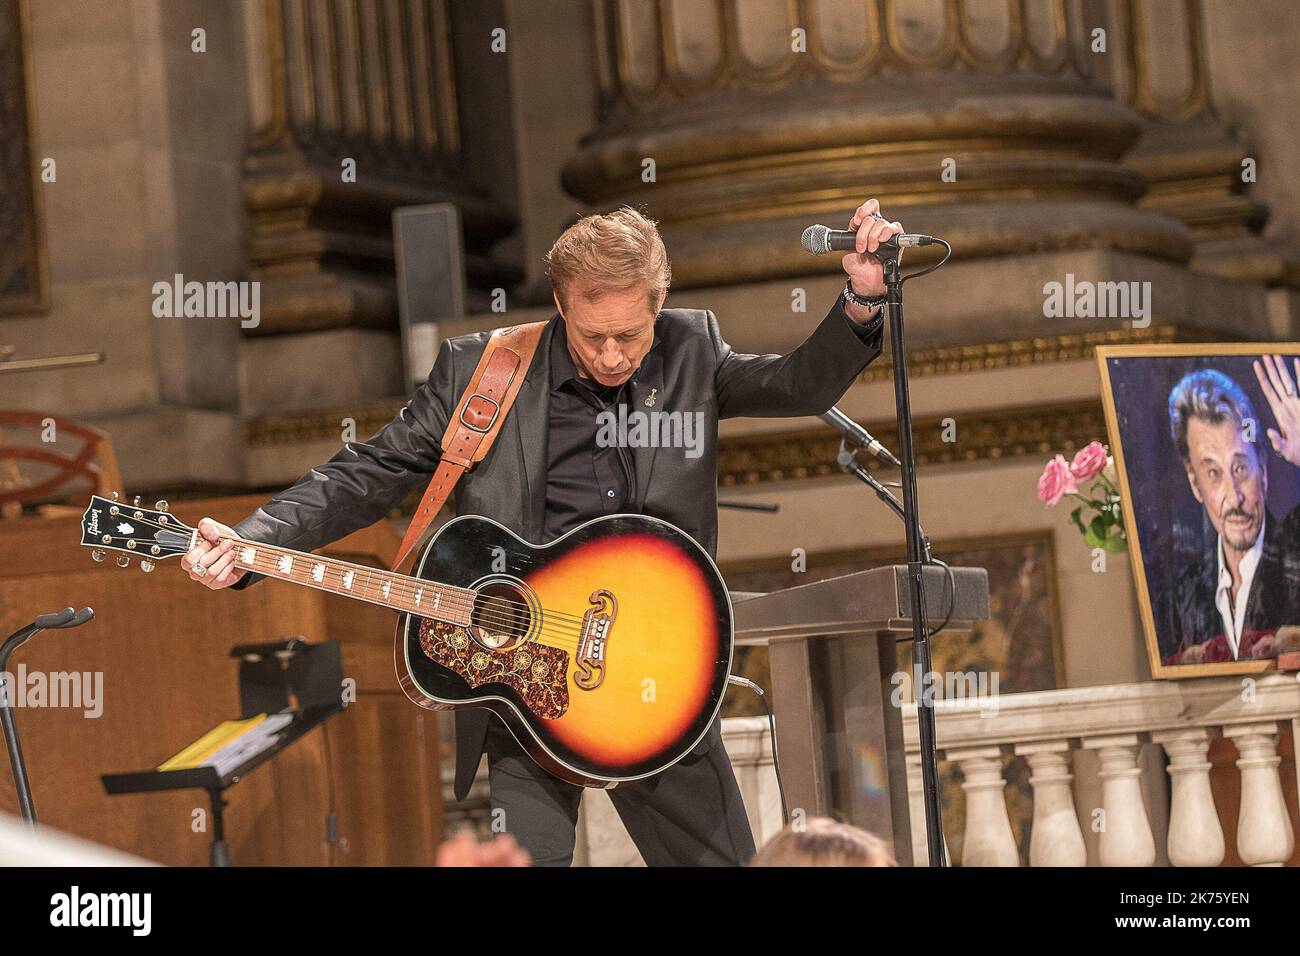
[160,504]
[97,555]
[146,565]
[123,560]
[135,502]
[113,496]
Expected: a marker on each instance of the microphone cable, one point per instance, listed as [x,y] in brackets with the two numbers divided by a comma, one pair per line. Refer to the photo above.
[771,729]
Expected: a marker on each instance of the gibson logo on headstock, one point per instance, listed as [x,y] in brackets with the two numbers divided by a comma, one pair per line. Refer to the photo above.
[93,527]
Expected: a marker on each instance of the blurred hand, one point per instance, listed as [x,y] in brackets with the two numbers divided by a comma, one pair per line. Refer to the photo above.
[214,556]
[1265,647]
[464,850]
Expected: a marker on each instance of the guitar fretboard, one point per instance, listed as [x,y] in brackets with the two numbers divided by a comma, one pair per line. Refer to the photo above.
[398,591]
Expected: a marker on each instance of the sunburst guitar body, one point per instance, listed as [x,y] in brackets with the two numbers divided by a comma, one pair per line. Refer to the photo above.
[606,652]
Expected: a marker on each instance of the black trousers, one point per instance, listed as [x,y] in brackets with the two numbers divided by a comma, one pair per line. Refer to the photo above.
[692,814]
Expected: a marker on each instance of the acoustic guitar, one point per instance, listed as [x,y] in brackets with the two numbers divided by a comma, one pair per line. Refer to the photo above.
[606,652]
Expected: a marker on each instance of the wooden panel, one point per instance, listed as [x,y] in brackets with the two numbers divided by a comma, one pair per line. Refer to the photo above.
[161,645]
[398,783]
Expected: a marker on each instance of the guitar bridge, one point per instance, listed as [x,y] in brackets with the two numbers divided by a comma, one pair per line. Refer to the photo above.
[596,626]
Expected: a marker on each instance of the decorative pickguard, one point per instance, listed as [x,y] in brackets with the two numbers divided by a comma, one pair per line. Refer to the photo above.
[537,673]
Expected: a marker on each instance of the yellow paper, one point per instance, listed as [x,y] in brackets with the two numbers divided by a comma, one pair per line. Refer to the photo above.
[203,748]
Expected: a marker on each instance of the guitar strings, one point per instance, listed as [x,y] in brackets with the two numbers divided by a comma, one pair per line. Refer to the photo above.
[406,581]
[570,636]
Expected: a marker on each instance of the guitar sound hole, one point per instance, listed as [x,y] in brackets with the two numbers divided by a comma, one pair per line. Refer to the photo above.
[501,617]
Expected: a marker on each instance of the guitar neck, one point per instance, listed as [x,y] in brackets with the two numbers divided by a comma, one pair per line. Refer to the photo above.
[387,589]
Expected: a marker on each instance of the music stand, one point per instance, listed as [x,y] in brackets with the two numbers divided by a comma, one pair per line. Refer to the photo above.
[284,676]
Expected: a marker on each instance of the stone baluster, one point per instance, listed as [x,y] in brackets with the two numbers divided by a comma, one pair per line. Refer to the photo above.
[916,810]
[1056,839]
[1264,835]
[1195,836]
[988,840]
[1126,838]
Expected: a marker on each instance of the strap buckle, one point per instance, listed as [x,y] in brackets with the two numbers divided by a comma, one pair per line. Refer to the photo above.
[476,407]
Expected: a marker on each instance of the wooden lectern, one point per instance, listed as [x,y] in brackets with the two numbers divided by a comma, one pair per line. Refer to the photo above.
[832,647]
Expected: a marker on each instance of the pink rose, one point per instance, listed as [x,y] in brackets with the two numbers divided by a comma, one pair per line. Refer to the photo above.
[1057,481]
[1089,461]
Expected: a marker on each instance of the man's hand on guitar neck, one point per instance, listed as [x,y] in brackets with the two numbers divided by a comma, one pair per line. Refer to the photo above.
[210,561]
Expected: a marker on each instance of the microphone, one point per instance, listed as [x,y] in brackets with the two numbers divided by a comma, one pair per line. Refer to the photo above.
[855,434]
[820,240]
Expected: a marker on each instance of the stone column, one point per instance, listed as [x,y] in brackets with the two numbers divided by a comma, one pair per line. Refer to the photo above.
[353,113]
[1199,170]
[739,123]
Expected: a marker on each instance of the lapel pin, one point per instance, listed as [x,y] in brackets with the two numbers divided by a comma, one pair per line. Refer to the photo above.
[650,399]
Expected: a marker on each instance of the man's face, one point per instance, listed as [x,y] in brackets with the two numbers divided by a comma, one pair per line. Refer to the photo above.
[609,336]
[1228,479]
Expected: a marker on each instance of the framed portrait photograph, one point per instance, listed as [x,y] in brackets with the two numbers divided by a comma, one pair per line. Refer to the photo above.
[1206,440]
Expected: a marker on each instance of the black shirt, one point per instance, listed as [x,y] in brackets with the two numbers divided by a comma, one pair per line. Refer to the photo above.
[584,479]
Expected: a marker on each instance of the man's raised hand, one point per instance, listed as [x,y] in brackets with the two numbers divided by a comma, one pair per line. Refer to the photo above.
[1280,391]
[864,271]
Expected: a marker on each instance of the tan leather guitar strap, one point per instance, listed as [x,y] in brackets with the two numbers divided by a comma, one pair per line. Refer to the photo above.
[476,421]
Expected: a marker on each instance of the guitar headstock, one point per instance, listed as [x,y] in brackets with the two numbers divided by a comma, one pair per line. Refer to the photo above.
[151,534]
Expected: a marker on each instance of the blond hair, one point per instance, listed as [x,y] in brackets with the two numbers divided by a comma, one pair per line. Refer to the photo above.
[613,252]
[824,842]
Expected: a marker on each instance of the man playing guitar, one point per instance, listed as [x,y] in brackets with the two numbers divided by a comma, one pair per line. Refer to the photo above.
[610,343]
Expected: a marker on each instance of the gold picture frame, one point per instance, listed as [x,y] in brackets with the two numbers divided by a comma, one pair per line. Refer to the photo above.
[1208,350]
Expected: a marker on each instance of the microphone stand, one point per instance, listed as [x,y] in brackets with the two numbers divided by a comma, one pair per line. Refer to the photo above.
[65,618]
[917,556]
[848,462]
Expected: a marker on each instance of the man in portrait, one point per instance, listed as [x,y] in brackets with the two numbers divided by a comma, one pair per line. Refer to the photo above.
[1230,602]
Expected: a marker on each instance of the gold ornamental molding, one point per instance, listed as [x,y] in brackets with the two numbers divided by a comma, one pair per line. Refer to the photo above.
[979,437]
[298,428]
[1016,353]
[794,455]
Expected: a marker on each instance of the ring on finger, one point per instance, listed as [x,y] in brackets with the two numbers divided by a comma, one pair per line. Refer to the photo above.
[200,570]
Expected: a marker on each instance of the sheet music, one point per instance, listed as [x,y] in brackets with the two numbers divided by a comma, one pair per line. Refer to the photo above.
[249,744]
[231,743]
